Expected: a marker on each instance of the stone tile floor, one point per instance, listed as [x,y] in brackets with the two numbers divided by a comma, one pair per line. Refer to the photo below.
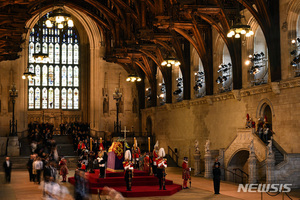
[21,189]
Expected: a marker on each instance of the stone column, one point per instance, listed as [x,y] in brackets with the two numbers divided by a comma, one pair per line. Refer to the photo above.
[252,168]
[13,148]
[208,165]
[270,169]
[197,163]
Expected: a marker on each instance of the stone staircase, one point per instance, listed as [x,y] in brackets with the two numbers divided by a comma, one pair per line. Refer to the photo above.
[25,149]
[170,161]
[279,157]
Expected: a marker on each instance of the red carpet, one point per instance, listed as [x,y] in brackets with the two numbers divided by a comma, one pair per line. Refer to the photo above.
[142,184]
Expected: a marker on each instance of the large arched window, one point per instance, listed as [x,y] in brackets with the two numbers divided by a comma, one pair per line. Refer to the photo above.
[56,85]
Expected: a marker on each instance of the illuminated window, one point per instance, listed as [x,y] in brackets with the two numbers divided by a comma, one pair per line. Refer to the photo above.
[56,85]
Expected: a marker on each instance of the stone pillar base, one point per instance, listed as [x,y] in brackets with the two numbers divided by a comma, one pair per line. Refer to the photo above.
[208,165]
[13,148]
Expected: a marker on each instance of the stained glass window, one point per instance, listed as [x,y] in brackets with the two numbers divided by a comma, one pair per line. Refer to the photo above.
[56,85]
[37,99]
[31,98]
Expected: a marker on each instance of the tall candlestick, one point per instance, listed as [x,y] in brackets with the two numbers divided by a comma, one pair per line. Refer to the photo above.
[91,144]
[134,142]
[101,140]
[149,144]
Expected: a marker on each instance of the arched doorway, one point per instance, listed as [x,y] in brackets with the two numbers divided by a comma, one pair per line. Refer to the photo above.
[267,113]
[237,168]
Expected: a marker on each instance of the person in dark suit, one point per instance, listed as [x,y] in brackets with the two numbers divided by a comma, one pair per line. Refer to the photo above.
[217,178]
[7,168]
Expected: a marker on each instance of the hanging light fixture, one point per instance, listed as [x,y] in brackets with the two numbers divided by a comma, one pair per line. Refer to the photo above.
[133,77]
[60,19]
[28,74]
[239,29]
[40,51]
[169,61]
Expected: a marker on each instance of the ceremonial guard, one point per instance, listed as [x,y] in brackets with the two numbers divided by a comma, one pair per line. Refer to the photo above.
[102,159]
[161,168]
[128,169]
[185,172]
[155,157]
[136,154]
[147,163]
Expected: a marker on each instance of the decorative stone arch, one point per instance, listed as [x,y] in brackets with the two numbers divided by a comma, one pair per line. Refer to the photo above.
[91,39]
[261,108]
[238,160]
[234,154]
[293,13]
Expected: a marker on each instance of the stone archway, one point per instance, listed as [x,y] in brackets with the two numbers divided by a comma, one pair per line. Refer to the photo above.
[237,164]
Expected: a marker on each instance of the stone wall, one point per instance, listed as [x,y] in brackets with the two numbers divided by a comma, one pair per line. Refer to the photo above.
[218,117]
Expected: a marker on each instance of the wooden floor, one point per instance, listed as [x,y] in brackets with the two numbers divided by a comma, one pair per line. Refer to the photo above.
[21,189]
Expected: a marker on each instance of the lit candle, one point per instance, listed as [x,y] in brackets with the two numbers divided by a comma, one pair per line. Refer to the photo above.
[91,143]
[149,144]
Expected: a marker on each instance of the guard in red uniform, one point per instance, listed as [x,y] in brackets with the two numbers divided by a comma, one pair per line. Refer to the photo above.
[136,155]
[161,168]
[63,169]
[185,172]
[155,157]
[147,163]
[128,169]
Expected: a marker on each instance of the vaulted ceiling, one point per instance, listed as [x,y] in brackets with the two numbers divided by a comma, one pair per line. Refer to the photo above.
[146,31]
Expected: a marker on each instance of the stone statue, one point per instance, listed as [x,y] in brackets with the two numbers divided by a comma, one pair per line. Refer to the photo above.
[251,147]
[196,146]
[270,150]
[207,146]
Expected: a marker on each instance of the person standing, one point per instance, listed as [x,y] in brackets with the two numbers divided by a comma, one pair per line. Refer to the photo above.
[147,163]
[29,167]
[155,157]
[128,169]
[102,159]
[185,172]
[7,165]
[217,178]
[38,167]
[63,169]
[161,168]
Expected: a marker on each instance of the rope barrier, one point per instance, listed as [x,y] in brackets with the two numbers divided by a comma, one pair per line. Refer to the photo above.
[272,194]
[288,196]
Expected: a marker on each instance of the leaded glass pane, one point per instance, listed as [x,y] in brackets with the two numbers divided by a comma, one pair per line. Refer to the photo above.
[76,76]
[76,99]
[51,78]
[37,98]
[38,75]
[56,97]
[64,54]
[64,76]
[45,47]
[31,98]
[44,99]
[70,98]
[37,47]
[50,106]
[31,81]
[57,76]
[51,53]
[70,54]
[31,51]
[76,54]
[70,76]
[57,53]
[64,98]
[45,72]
